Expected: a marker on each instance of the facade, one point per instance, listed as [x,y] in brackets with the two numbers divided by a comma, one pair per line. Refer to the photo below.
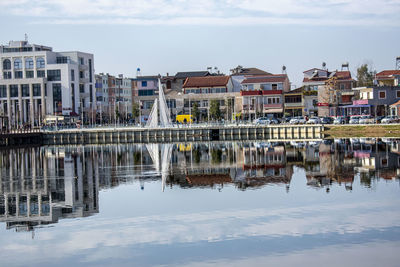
[36,82]
[263,95]
[239,73]
[294,103]
[203,90]
[146,90]
[334,89]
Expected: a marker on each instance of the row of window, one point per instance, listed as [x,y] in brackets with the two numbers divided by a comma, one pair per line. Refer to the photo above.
[40,63]
[206,91]
[266,86]
[7,75]
[24,90]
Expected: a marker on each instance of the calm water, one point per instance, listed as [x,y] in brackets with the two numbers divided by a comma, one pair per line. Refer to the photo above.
[330,203]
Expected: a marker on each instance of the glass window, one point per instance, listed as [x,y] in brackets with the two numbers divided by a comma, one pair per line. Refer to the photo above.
[25,90]
[382,94]
[398,93]
[40,63]
[54,75]
[7,75]
[36,89]
[81,88]
[6,64]
[57,106]
[29,63]
[72,75]
[14,90]
[17,64]
[144,83]
[3,91]
[29,74]
[41,74]
[18,75]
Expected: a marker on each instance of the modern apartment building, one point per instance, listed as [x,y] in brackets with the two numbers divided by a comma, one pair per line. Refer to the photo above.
[36,82]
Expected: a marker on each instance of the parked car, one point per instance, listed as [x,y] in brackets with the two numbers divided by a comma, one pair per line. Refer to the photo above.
[314,120]
[326,120]
[297,120]
[379,119]
[354,120]
[286,119]
[266,121]
[390,119]
[366,120]
[339,120]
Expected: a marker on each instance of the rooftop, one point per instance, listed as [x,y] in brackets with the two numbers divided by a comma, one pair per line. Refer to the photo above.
[387,74]
[22,46]
[239,70]
[186,74]
[272,78]
[208,81]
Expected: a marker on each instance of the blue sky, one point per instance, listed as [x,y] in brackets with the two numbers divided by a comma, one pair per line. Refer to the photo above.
[161,36]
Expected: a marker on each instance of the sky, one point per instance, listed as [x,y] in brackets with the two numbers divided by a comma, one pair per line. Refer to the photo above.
[167,36]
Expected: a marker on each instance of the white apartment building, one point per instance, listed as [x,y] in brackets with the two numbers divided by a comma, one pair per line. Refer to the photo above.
[36,82]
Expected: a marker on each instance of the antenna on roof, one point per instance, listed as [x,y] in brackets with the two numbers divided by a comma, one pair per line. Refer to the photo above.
[283,69]
[138,73]
[345,65]
[397,63]
[324,65]
[26,37]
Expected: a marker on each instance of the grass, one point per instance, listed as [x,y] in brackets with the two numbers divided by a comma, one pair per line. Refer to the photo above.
[376,130]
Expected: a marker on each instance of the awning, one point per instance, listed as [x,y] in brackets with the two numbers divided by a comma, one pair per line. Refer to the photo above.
[356,106]
[274,110]
[395,104]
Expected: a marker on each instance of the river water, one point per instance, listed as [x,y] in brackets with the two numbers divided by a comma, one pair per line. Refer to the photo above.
[328,203]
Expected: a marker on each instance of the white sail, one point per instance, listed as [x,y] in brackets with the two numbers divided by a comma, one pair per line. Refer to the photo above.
[152,121]
[165,116]
[154,151]
[166,153]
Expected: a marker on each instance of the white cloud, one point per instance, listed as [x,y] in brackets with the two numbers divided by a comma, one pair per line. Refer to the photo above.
[225,12]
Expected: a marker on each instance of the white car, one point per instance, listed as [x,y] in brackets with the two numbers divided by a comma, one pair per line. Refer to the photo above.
[297,120]
[314,120]
[390,119]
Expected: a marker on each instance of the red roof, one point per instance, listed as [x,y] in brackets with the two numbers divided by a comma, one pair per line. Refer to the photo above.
[396,104]
[277,78]
[387,73]
[208,81]
[340,75]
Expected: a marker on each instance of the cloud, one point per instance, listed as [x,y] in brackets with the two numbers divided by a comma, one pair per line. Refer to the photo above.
[207,12]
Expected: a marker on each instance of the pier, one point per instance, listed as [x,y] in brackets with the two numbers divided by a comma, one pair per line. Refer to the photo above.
[185,134]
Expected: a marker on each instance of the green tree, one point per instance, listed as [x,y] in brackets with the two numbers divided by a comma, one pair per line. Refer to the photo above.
[195,111]
[135,110]
[365,77]
[215,110]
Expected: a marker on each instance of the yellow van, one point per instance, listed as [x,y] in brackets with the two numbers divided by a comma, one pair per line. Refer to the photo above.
[184,119]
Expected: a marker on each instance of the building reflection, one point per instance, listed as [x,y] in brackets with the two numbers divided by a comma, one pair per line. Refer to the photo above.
[42,185]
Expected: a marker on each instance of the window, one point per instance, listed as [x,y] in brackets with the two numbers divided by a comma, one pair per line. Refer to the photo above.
[29,74]
[17,64]
[73,96]
[36,89]
[90,71]
[145,92]
[18,75]
[6,64]
[41,74]
[81,88]
[382,94]
[81,61]
[7,75]
[25,90]
[53,75]
[144,83]
[62,60]
[72,75]
[274,86]
[29,63]
[3,91]
[342,86]
[40,64]
[57,97]
[91,92]
[398,93]
[13,90]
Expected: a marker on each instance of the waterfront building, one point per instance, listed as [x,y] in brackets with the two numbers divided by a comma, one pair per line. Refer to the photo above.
[203,90]
[263,95]
[146,90]
[239,73]
[36,82]
[294,103]
[334,89]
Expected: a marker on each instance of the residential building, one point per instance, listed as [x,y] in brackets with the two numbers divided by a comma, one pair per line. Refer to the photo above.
[263,95]
[333,89]
[146,90]
[36,82]
[239,73]
[294,102]
[203,90]
[388,78]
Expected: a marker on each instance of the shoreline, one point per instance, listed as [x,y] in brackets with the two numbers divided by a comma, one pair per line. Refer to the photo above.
[369,130]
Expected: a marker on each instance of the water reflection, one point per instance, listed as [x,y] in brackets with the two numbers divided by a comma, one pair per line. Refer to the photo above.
[40,186]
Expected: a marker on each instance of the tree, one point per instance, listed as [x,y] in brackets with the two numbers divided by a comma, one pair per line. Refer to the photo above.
[135,110]
[215,111]
[195,111]
[365,77]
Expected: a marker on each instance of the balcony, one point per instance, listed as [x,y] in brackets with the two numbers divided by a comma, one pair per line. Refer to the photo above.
[296,104]
[83,67]
[268,106]
[83,80]
[272,92]
[250,93]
